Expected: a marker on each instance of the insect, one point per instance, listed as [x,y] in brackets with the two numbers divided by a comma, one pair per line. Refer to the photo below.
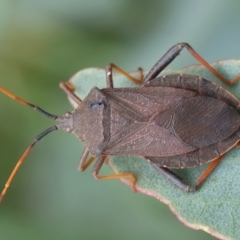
[173,121]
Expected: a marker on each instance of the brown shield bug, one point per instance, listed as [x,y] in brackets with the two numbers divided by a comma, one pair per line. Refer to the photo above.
[173,121]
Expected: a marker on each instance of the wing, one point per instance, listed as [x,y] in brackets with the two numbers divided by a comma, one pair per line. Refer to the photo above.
[132,132]
[199,121]
[176,134]
[140,104]
[207,124]
[146,139]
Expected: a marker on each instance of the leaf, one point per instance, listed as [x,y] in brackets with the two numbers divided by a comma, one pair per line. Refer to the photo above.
[215,207]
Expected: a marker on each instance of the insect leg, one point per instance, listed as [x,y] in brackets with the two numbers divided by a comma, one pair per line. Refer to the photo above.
[109,77]
[181,183]
[174,178]
[68,88]
[98,166]
[173,52]
[237,145]
[207,171]
[84,163]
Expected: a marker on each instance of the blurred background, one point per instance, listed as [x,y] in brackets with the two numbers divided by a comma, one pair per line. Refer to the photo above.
[45,42]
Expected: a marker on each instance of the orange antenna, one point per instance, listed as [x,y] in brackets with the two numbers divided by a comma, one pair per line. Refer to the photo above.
[40,136]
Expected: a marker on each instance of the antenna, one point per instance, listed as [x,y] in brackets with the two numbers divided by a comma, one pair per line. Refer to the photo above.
[39,137]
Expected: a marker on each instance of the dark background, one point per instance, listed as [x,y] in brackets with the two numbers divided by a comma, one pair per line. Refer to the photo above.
[45,42]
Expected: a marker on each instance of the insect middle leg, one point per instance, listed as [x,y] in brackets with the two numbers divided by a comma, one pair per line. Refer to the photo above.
[109,78]
[98,166]
[173,52]
[84,163]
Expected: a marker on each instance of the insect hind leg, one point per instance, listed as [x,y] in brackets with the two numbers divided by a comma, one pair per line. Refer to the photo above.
[173,52]
[183,184]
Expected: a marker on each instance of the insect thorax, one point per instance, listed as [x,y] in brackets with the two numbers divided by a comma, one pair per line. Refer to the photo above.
[91,121]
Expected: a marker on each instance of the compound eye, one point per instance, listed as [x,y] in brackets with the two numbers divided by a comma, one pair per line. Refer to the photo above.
[97,105]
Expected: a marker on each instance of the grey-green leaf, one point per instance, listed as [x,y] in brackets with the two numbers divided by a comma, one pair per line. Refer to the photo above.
[215,207]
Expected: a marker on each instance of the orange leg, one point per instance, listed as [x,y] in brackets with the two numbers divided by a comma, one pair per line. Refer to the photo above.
[98,166]
[84,163]
[118,176]
[173,52]
[211,69]
[109,77]
[207,172]
[68,88]
[181,183]
[237,145]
